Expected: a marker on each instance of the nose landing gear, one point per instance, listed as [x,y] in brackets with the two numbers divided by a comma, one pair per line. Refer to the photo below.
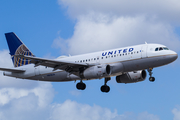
[151,79]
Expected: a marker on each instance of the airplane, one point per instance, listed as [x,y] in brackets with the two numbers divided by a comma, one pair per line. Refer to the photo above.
[128,64]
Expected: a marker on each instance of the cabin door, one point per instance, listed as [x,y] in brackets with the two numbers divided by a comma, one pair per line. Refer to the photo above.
[144,51]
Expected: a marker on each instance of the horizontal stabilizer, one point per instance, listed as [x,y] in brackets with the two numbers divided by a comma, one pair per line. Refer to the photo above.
[12,70]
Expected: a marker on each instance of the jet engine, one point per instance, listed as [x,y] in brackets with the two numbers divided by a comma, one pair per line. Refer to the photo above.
[96,71]
[131,77]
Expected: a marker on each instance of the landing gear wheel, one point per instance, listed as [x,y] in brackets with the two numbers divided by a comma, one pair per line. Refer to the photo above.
[151,79]
[105,88]
[81,86]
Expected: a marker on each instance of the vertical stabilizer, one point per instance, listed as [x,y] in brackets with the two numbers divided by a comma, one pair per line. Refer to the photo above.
[17,47]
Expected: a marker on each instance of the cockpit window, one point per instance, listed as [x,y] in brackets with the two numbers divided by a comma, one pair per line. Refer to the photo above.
[160,48]
[165,48]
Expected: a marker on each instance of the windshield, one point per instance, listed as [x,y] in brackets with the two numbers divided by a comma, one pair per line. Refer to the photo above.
[165,48]
[161,48]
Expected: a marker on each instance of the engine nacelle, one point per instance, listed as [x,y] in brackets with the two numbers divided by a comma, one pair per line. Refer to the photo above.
[98,71]
[131,77]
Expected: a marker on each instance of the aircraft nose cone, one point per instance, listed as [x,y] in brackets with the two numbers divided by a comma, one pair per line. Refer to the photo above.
[174,57]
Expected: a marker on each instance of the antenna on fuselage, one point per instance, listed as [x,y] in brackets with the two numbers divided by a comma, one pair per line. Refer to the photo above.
[145,42]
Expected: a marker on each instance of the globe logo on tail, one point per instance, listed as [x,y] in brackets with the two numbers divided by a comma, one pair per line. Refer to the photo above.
[21,50]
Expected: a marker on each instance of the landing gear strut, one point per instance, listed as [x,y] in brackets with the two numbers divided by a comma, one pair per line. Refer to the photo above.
[105,87]
[81,85]
[151,79]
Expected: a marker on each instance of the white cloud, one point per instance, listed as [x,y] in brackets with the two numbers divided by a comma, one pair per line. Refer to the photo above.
[60,43]
[26,104]
[176,113]
[6,61]
[27,107]
[147,116]
[166,10]
[106,24]
[41,91]
[71,110]
[75,93]
[100,32]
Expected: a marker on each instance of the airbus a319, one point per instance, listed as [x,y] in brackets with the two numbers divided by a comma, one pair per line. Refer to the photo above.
[128,64]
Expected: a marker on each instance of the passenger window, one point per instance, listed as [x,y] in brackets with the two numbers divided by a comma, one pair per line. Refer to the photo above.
[114,55]
[156,49]
[97,58]
[94,58]
[102,58]
[160,48]
[83,60]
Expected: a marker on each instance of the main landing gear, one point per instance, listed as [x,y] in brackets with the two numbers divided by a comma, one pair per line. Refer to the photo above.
[151,79]
[81,85]
[105,87]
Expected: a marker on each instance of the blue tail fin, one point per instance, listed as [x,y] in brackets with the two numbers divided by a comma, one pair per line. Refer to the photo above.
[17,47]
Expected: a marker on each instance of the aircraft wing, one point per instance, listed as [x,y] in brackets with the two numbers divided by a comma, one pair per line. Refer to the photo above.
[56,64]
[12,70]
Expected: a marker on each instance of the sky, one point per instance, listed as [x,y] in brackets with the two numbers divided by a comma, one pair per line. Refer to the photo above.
[62,27]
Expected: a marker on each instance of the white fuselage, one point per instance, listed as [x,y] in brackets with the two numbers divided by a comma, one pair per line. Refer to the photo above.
[121,60]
